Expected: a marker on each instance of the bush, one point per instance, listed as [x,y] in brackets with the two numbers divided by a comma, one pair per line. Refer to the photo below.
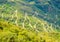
[12,33]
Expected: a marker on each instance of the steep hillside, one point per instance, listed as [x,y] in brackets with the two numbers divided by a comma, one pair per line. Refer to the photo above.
[29,21]
[21,18]
[13,33]
[49,10]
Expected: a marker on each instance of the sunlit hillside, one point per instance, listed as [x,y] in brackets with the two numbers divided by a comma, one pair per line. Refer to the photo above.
[26,20]
[13,33]
[29,21]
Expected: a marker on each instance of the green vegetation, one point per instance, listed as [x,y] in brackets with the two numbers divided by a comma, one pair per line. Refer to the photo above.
[17,24]
[17,17]
[13,33]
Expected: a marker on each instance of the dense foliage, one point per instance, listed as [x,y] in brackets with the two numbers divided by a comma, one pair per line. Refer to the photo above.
[12,33]
[29,21]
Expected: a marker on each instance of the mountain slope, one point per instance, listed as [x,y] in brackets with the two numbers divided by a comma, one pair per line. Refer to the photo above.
[29,21]
[11,13]
[13,33]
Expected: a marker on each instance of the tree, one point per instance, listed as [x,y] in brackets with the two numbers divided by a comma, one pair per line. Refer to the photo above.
[3,1]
